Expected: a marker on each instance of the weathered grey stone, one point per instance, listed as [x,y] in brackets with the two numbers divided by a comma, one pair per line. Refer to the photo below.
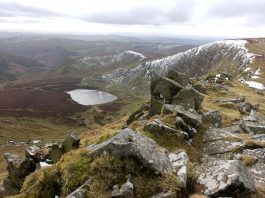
[155,106]
[180,163]
[192,118]
[257,172]
[188,98]
[18,168]
[166,88]
[178,77]
[81,191]
[236,128]
[33,152]
[245,107]
[126,191]
[219,134]
[180,124]
[129,143]
[71,142]
[258,153]
[165,195]
[253,127]
[159,128]
[223,177]
[220,147]
[255,116]
[171,109]
[212,119]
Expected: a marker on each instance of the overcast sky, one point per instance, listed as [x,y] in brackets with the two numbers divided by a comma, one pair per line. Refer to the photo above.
[224,18]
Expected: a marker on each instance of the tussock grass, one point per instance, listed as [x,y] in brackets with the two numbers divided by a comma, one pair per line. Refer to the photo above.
[104,171]
[248,160]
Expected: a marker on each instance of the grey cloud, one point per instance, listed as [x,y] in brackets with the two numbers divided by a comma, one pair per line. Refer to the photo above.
[251,10]
[182,11]
[16,10]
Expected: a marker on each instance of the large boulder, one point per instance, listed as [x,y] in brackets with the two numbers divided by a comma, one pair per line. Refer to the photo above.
[190,117]
[178,77]
[128,143]
[188,98]
[224,177]
[71,142]
[212,119]
[18,168]
[166,88]
[155,106]
[159,128]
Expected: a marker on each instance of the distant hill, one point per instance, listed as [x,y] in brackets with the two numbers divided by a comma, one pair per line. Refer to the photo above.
[53,51]
[13,67]
[228,56]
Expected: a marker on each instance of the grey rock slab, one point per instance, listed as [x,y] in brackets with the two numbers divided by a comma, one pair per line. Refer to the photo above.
[158,127]
[188,98]
[212,119]
[128,143]
[222,177]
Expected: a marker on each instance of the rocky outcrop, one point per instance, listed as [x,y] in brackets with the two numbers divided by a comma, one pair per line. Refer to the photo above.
[212,119]
[159,128]
[188,98]
[128,143]
[254,123]
[165,89]
[18,168]
[224,178]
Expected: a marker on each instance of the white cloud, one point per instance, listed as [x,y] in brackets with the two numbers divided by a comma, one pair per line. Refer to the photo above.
[237,18]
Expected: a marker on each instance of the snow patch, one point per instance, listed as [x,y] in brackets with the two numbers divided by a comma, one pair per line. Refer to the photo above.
[254,84]
[44,164]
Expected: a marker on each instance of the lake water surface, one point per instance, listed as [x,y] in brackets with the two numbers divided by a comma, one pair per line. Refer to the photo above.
[91,97]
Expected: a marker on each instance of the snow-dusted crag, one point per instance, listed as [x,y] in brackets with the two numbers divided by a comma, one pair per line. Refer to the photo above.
[228,55]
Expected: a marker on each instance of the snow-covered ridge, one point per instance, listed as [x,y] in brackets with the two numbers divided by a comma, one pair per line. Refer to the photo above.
[123,57]
[193,61]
